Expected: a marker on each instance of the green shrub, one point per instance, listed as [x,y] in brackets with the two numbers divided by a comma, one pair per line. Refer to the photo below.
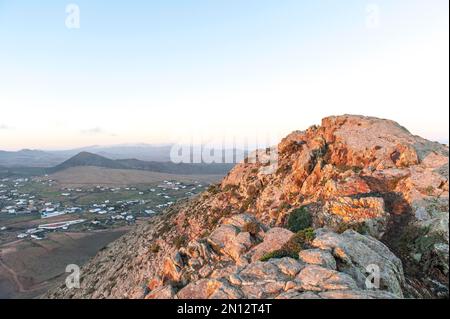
[345,168]
[284,206]
[298,242]
[213,189]
[206,233]
[301,240]
[230,187]
[299,219]
[418,241]
[180,241]
[277,254]
[252,228]
[283,170]
[249,202]
[361,228]
[155,248]
[429,190]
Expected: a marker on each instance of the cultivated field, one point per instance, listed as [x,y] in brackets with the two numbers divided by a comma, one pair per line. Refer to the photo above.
[92,176]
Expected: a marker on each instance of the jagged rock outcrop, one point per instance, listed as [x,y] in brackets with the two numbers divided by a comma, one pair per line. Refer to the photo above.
[338,263]
[355,253]
[376,196]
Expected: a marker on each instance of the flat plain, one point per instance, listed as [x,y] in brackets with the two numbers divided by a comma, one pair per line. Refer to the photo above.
[29,268]
[93,176]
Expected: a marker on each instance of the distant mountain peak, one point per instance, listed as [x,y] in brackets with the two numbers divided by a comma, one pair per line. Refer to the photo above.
[87,154]
[88,159]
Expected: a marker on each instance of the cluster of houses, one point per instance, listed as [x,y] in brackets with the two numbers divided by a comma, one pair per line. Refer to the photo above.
[36,233]
[51,210]
[18,203]
[179,186]
[13,201]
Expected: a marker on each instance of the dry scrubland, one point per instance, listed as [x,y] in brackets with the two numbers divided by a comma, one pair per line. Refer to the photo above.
[88,176]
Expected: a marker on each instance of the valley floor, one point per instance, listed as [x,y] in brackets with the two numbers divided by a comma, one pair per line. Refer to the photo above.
[28,268]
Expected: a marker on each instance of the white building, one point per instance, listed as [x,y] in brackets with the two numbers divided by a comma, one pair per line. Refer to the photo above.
[46,214]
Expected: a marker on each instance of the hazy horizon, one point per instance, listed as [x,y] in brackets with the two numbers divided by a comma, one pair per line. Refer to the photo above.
[131,144]
[163,72]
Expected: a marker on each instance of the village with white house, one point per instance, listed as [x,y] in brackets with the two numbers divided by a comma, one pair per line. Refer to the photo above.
[30,208]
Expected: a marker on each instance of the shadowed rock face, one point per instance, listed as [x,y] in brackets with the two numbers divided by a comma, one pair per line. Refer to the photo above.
[357,178]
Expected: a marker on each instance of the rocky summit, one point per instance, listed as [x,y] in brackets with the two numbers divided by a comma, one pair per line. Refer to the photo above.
[355,208]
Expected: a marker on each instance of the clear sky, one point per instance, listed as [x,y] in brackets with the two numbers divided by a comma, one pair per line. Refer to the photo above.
[156,71]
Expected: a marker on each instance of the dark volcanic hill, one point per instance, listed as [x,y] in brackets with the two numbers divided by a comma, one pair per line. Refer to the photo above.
[87,159]
[182,168]
[90,159]
[143,152]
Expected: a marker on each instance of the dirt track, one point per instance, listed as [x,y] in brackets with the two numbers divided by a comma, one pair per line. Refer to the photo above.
[29,268]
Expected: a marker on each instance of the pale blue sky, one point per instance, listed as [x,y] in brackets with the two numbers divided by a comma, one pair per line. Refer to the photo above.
[156,71]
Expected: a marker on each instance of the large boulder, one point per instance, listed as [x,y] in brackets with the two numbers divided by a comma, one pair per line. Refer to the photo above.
[316,278]
[267,279]
[357,294]
[166,292]
[367,214]
[209,289]
[318,257]
[172,268]
[274,239]
[360,255]
[336,268]
[222,236]
[242,221]
[230,241]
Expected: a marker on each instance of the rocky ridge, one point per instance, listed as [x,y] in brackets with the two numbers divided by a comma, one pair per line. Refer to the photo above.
[347,198]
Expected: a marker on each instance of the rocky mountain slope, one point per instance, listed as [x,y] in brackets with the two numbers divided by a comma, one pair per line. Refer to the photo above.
[87,159]
[353,197]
